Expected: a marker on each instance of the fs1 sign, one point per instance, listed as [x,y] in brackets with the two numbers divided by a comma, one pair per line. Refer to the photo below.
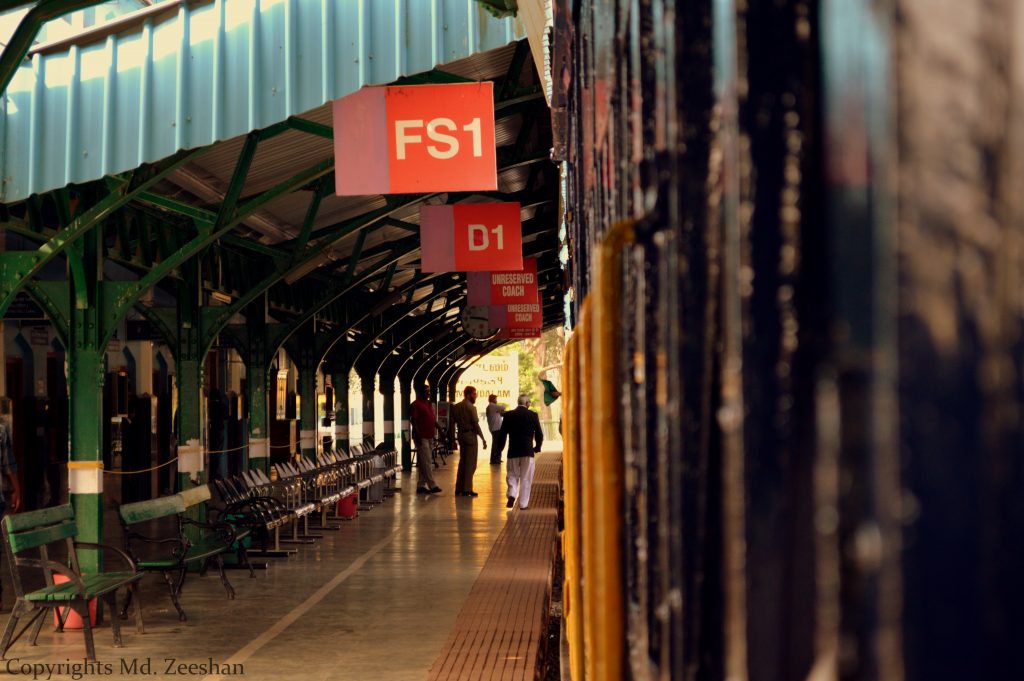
[471,237]
[412,139]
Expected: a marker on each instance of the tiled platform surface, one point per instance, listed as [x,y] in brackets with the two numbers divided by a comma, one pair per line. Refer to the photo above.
[374,600]
[499,633]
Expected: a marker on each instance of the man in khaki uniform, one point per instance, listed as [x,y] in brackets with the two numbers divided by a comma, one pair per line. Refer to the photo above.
[468,421]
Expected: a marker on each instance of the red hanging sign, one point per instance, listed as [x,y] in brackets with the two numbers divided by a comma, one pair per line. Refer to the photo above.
[516,316]
[471,237]
[411,139]
[519,333]
[503,288]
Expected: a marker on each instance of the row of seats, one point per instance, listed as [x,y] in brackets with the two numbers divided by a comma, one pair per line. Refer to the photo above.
[305,490]
[164,535]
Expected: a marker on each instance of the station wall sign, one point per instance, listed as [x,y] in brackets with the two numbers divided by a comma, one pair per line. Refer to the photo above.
[506,287]
[410,139]
[471,237]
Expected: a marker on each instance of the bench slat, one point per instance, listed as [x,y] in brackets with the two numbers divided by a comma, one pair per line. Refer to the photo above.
[32,519]
[30,539]
[141,511]
[95,585]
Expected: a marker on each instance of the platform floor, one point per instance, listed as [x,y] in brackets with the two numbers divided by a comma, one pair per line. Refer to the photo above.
[377,599]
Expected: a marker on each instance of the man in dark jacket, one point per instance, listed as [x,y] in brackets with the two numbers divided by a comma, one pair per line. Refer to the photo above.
[522,428]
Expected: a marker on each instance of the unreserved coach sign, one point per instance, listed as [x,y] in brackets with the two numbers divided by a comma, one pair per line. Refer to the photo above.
[411,139]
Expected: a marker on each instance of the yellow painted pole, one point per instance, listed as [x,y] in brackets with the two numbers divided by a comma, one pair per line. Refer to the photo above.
[603,558]
[572,593]
[585,405]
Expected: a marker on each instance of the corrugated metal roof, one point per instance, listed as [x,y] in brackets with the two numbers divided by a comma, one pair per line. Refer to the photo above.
[210,72]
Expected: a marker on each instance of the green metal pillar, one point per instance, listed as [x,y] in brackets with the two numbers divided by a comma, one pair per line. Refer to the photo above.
[87,358]
[259,433]
[302,347]
[307,412]
[339,379]
[405,397]
[86,367]
[189,364]
[366,381]
[256,386]
[387,390]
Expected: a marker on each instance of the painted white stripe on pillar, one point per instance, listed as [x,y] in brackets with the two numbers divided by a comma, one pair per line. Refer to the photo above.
[389,426]
[85,480]
[341,432]
[259,448]
[367,427]
[190,457]
[307,439]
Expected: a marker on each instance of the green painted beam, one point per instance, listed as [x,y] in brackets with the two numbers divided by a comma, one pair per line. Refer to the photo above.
[322,189]
[388,276]
[357,251]
[16,267]
[310,252]
[54,298]
[310,127]
[234,190]
[180,207]
[189,250]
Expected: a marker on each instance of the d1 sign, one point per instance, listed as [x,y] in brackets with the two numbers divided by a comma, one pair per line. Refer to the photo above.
[472,237]
[410,139]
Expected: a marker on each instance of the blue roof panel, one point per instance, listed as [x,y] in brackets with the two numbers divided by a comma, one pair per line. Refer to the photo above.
[201,74]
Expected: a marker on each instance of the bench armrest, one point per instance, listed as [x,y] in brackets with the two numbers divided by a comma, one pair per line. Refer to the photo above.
[54,566]
[219,527]
[106,547]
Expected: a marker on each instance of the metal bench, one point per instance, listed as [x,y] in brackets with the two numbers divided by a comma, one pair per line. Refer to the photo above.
[177,550]
[294,490]
[55,526]
[250,504]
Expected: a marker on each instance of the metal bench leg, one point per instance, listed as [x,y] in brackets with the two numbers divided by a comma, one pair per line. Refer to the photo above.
[12,624]
[173,587]
[243,557]
[62,618]
[127,603]
[82,608]
[224,577]
[133,591]
[115,623]
[37,627]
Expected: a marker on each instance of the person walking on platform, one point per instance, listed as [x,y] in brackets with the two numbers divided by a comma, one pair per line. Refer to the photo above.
[10,491]
[468,421]
[424,426]
[522,427]
[494,413]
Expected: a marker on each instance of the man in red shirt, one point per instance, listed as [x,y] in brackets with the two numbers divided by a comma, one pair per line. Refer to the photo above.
[424,425]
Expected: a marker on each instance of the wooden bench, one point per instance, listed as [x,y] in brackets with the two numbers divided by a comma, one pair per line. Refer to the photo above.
[189,543]
[55,526]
